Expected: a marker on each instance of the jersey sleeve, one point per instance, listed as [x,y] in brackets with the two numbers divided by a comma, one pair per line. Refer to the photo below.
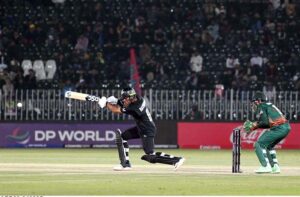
[263,118]
[135,110]
[122,108]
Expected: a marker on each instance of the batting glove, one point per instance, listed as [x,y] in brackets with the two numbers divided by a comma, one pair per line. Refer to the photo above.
[102,102]
[112,100]
[248,126]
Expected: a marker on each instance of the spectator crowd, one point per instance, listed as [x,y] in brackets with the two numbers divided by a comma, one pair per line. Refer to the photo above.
[191,44]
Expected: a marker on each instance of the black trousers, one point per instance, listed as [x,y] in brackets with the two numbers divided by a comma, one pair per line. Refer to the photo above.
[134,133]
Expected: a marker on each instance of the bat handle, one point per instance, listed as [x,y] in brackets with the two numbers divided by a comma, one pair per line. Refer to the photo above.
[92,98]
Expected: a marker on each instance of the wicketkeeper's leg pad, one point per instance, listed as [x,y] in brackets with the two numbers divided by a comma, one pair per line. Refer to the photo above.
[261,153]
[273,157]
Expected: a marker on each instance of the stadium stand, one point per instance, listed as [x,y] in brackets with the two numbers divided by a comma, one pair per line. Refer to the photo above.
[90,40]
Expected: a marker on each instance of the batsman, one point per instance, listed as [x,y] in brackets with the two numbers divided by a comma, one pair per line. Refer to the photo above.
[133,104]
[271,118]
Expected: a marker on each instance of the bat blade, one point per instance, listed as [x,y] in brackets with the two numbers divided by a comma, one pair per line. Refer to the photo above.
[81,96]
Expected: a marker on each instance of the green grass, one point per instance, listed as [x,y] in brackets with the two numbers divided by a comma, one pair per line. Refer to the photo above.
[89,172]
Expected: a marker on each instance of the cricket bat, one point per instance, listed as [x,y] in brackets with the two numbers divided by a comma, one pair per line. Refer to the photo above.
[81,96]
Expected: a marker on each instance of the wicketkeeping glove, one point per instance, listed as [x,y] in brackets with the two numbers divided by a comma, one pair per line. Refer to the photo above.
[248,125]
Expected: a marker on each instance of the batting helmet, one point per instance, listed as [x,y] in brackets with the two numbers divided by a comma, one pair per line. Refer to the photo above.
[128,93]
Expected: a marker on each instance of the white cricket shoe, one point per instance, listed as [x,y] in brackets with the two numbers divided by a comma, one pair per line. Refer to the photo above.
[122,168]
[275,169]
[179,163]
[264,169]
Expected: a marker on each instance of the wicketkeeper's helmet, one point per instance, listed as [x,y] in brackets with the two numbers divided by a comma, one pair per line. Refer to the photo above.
[128,93]
[259,96]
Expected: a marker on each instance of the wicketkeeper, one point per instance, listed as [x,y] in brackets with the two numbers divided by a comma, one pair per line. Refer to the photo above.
[268,116]
[134,105]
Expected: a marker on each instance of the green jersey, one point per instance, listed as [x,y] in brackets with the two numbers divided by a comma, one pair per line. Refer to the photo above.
[268,116]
